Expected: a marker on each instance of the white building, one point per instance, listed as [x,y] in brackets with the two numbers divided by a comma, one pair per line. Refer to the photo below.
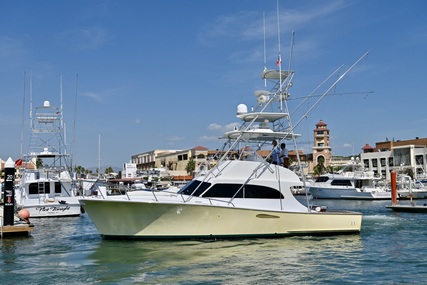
[129,170]
[396,155]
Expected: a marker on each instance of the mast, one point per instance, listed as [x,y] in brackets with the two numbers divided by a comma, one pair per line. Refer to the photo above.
[23,116]
[99,155]
[74,126]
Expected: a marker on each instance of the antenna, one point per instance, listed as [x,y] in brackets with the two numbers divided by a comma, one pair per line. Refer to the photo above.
[291,51]
[31,100]
[60,103]
[74,122]
[99,155]
[265,48]
[23,116]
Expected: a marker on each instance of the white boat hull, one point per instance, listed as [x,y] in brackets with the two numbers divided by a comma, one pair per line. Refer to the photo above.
[348,193]
[163,220]
[54,208]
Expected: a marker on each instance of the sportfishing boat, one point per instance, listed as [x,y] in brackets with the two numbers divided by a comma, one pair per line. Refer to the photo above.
[350,182]
[239,195]
[45,186]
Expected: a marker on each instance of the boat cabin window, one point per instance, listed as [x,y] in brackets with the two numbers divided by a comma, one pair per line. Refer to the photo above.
[338,182]
[57,187]
[248,191]
[228,191]
[322,179]
[39,188]
[43,187]
[193,185]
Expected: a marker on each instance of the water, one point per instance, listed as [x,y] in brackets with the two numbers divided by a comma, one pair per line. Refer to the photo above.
[391,249]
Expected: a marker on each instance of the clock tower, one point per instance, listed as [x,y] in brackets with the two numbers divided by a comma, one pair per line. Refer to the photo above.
[322,148]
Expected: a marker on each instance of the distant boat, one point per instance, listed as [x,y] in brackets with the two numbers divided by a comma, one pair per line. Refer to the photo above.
[46,188]
[350,182]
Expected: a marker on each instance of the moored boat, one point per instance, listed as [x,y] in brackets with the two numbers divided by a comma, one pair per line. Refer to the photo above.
[350,182]
[239,195]
[45,186]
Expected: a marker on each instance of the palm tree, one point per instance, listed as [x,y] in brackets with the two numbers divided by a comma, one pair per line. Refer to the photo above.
[191,165]
[79,170]
[320,168]
[108,170]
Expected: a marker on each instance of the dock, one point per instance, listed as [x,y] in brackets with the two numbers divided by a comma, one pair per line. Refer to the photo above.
[16,230]
[408,208]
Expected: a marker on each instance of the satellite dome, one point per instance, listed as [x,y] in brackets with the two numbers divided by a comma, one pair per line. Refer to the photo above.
[242,109]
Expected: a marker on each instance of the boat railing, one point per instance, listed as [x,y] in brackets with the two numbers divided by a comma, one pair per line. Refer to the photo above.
[183,197]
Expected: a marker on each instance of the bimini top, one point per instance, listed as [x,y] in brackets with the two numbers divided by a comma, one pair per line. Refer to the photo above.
[275,74]
[259,135]
[261,116]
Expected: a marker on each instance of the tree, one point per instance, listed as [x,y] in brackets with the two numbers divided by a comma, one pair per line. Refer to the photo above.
[39,162]
[80,170]
[191,166]
[320,168]
[108,170]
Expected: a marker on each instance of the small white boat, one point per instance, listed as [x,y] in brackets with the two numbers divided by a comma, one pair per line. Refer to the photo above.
[45,187]
[240,195]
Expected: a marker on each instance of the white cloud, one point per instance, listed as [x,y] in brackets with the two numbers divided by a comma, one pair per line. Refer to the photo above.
[93,95]
[175,138]
[214,127]
[208,139]
[84,38]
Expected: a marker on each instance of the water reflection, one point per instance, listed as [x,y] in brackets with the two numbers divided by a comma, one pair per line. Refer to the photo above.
[241,261]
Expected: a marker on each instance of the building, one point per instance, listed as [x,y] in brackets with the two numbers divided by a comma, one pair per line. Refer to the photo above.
[176,162]
[402,155]
[322,149]
[147,160]
[129,170]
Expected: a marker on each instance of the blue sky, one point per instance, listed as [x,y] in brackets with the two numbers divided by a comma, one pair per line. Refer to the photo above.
[169,74]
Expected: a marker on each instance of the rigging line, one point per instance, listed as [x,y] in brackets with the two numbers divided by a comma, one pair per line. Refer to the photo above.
[318,86]
[332,86]
[333,94]
[296,151]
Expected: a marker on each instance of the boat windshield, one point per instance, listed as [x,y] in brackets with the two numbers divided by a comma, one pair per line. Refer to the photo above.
[195,188]
[229,190]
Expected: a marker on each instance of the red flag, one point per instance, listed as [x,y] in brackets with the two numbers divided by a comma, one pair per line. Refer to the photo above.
[279,61]
[18,162]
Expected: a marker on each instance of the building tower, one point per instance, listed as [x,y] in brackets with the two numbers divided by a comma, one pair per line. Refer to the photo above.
[322,148]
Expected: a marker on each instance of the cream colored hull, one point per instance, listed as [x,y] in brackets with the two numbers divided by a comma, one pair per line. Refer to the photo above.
[157,220]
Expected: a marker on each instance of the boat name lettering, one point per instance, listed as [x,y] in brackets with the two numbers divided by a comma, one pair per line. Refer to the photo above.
[53,209]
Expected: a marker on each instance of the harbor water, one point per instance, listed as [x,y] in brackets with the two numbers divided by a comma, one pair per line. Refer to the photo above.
[391,249]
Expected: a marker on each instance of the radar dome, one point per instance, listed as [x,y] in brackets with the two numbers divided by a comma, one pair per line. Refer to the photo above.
[242,109]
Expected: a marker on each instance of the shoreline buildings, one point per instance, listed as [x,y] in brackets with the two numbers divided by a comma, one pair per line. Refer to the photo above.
[386,156]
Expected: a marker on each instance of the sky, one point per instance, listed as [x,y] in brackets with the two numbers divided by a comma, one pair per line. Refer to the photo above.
[144,75]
